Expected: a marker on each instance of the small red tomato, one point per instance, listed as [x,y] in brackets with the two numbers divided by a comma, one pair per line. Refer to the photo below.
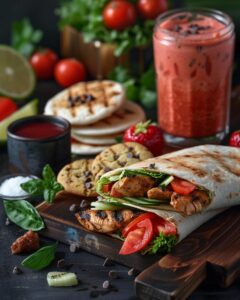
[43,63]
[235,139]
[182,187]
[146,134]
[7,107]
[69,71]
[150,9]
[119,14]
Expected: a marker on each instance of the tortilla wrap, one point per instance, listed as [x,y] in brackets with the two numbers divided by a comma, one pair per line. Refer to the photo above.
[213,168]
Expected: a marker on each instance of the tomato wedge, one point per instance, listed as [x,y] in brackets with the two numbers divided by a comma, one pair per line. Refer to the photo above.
[116,194]
[107,187]
[133,225]
[161,225]
[138,238]
[183,187]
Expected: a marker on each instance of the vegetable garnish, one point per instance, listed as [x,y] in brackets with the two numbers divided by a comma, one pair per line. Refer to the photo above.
[48,186]
[41,258]
[161,244]
[23,214]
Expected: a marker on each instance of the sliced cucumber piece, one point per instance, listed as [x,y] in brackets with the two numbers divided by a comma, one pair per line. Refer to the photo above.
[166,182]
[101,205]
[62,279]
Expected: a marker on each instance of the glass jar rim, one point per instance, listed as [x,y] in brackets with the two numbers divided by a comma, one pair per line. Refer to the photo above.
[216,14]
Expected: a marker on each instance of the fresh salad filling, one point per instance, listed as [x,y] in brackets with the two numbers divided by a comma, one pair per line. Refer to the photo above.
[144,188]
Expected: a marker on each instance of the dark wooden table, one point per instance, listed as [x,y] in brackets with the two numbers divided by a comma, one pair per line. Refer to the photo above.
[33,285]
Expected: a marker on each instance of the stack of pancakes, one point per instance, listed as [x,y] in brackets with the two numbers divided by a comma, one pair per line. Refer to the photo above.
[98,113]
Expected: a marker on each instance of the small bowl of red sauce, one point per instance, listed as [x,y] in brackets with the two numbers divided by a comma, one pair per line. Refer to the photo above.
[36,141]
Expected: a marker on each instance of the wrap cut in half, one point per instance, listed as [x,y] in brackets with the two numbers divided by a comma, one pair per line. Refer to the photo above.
[189,181]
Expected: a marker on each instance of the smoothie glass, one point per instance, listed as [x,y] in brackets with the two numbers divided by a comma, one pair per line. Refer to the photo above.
[193,54]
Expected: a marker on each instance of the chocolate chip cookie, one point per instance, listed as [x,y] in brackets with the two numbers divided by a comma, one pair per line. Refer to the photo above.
[77,178]
[117,156]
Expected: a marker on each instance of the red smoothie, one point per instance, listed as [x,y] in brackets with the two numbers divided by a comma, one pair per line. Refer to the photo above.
[193,55]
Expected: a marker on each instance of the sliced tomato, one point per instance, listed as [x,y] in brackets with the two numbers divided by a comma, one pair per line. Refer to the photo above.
[107,187]
[138,238]
[133,225]
[116,194]
[164,226]
[183,187]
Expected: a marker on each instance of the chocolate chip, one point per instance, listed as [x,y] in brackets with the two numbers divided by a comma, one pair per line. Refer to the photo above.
[117,215]
[84,204]
[107,262]
[129,155]
[17,271]
[87,173]
[115,157]
[113,274]
[137,156]
[122,163]
[72,208]
[132,272]
[73,247]
[107,169]
[61,263]
[7,222]
[88,185]
[106,284]
[101,214]
[88,179]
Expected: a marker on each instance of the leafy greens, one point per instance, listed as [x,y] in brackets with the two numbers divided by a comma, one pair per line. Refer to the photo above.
[161,244]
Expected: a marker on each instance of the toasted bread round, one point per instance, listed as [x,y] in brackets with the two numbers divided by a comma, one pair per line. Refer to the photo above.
[86,149]
[117,156]
[87,102]
[97,139]
[130,113]
[78,179]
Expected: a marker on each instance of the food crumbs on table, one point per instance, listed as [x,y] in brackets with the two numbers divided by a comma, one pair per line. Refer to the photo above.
[73,247]
[106,284]
[61,263]
[73,208]
[84,204]
[113,274]
[132,272]
[17,271]
[7,222]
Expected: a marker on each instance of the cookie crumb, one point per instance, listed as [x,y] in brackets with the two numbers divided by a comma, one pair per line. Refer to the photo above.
[73,247]
[17,271]
[7,222]
[132,272]
[106,284]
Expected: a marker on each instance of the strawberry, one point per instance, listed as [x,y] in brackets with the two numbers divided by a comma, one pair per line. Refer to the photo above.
[147,134]
[235,139]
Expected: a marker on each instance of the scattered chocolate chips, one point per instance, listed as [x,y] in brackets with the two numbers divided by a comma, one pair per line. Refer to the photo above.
[113,274]
[107,262]
[73,208]
[122,163]
[107,169]
[101,214]
[137,156]
[84,204]
[88,179]
[7,222]
[117,215]
[17,271]
[87,173]
[106,284]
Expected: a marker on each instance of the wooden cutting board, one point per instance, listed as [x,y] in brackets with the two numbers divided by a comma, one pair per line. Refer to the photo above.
[212,252]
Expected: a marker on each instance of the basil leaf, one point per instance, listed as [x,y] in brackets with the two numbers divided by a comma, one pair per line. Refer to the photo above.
[23,214]
[41,258]
[48,175]
[33,187]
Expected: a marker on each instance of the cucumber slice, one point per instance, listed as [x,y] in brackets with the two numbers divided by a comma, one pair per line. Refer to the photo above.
[62,279]
[101,205]
[166,182]
[27,110]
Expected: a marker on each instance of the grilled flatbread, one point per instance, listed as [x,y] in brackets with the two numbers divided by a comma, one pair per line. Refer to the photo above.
[130,113]
[86,149]
[87,102]
[97,139]
[214,170]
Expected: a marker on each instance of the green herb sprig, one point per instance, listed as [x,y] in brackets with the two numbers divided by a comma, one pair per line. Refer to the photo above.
[48,186]
[41,258]
[161,244]
[24,37]
[23,214]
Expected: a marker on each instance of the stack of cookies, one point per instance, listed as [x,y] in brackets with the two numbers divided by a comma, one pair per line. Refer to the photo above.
[98,112]
[80,176]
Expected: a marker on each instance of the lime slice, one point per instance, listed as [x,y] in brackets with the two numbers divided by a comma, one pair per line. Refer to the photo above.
[27,110]
[17,79]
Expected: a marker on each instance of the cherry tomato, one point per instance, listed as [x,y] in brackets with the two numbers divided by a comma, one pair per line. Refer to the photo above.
[43,63]
[69,71]
[137,239]
[107,187]
[7,107]
[147,134]
[150,9]
[183,187]
[132,225]
[119,14]
[116,194]
[235,139]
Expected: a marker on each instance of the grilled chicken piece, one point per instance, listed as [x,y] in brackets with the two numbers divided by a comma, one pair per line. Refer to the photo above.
[134,186]
[105,221]
[159,194]
[190,204]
